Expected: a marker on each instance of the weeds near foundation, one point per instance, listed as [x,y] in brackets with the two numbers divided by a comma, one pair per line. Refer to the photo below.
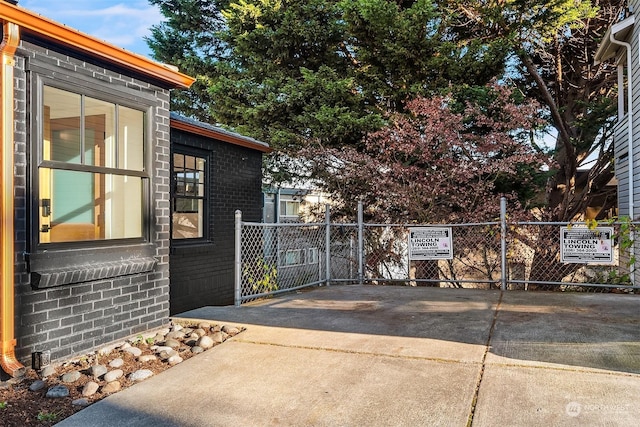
[47,416]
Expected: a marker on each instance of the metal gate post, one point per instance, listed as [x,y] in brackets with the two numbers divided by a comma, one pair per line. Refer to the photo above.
[360,243]
[237,271]
[327,244]
[503,241]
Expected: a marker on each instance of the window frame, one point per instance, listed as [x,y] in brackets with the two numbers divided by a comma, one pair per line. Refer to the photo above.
[206,198]
[313,256]
[282,214]
[41,77]
[286,261]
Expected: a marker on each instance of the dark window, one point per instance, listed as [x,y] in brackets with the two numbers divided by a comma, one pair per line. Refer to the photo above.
[189,197]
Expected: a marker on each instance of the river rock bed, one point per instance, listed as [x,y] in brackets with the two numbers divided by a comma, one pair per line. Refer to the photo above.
[55,392]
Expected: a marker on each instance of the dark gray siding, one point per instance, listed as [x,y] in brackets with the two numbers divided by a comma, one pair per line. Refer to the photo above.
[74,318]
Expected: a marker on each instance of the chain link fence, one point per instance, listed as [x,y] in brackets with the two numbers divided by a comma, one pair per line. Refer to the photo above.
[475,262]
[534,254]
[273,258]
[280,257]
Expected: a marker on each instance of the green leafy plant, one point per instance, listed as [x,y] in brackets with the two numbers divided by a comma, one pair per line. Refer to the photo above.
[3,405]
[47,416]
[625,238]
[261,275]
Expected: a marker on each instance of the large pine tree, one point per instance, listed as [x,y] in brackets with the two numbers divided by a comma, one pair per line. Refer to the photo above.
[326,73]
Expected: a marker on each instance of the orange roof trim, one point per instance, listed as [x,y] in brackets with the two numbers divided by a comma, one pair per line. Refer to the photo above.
[36,24]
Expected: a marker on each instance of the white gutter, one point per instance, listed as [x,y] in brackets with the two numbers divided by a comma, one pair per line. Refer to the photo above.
[627,46]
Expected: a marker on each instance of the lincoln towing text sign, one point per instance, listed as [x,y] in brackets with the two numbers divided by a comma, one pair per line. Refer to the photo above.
[581,245]
[430,243]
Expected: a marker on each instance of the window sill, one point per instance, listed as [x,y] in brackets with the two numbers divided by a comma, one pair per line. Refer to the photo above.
[56,268]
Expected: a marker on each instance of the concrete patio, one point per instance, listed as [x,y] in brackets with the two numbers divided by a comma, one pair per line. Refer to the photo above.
[401,356]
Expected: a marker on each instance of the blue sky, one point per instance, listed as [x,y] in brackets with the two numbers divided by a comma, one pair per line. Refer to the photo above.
[122,23]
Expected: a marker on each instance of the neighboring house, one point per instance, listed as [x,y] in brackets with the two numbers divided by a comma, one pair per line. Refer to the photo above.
[620,44]
[214,173]
[86,201]
[293,205]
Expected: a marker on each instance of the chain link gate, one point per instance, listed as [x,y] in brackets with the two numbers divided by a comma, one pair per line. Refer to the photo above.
[280,257]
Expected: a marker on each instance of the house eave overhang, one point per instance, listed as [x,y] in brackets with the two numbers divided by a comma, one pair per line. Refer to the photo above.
[203,129]
[608,50]
[32,23]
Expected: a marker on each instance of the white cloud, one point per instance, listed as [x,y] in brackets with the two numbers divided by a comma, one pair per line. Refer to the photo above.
[122,24]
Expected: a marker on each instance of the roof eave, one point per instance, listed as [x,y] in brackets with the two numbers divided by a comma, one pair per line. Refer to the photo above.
[221,136]
[608,50]
[43,27]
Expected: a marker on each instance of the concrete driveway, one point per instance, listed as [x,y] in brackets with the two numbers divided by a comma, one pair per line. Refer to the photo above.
[401,356]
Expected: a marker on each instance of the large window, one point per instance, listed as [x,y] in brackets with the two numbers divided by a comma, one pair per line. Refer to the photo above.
[91,173]
[189,196]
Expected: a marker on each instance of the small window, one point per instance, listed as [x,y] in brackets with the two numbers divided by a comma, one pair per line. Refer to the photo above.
[312,257]
[291,257]
[623,94]
[289,209]
[189,198]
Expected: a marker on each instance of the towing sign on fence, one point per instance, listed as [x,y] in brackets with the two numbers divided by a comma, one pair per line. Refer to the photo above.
[430,243]
[582,245]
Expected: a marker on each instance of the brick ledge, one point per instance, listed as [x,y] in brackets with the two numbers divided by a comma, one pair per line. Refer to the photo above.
[91,272]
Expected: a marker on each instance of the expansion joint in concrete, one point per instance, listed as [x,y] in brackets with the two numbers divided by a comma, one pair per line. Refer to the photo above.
[483,363]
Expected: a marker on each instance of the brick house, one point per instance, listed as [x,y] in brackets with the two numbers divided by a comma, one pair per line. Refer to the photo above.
[215,173]
[85,197]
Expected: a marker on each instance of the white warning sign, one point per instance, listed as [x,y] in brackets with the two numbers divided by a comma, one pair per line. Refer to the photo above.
[581,245]
[430,243]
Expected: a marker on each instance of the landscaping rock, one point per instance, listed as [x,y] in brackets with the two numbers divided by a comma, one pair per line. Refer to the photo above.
[90,388]
[71,377]
[37,385]
[205,342]
[217,337]
[94,375]
[83,403]
[173,343]
[112,387]
[57,391]
[174,360]
[141,374]
[113,375]
[166,354]
[174,335]
[204,325]
[47,371]
[133,350]
[116,363]
[96,371]
[230,330]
